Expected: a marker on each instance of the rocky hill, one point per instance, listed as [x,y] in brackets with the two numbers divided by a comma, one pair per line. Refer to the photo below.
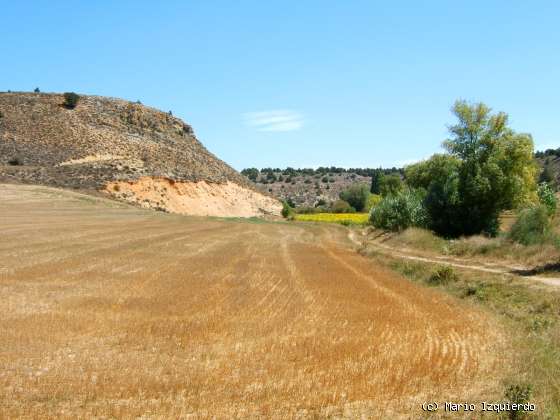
[310,187]
[133,152]
[549,161]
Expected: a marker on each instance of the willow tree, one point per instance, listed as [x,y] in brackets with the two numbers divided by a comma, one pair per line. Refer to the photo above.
[489,168]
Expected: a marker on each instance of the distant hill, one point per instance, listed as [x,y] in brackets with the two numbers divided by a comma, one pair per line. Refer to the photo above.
[133,152]
[309,187]
[549,161]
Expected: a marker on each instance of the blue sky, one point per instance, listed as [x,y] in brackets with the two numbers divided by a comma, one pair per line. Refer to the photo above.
[298,83]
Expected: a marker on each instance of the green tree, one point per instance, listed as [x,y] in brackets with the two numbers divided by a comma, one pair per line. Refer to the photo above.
[439,178]
[497,170]
[376,179]
[251,173]
[356,195]
[425,173]
[287,210]
[391,184]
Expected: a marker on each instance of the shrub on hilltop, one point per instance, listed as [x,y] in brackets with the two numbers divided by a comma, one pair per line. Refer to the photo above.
[71,100]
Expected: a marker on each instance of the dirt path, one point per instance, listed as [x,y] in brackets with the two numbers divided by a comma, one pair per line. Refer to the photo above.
[490,267]
[110,311]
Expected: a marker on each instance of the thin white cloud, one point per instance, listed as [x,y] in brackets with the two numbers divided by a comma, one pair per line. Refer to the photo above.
[274,120]
[406,162]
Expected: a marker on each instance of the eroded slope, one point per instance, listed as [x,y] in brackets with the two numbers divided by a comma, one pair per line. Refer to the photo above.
[106,140]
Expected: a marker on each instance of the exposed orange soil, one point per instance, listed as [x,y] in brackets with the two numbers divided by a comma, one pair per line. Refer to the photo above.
[195,198]
[112,311]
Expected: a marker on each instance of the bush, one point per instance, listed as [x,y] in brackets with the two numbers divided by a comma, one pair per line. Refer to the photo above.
[341,206]
[356,195]
[547,198]
[518,394]
[287,211]
[71,100]
[531,227]
[372,201]
[400,211]
[442,275]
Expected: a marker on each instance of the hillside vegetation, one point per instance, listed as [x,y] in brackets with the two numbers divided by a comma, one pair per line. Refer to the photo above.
[310,187]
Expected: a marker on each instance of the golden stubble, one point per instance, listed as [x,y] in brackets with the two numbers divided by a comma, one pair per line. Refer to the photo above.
[109,311]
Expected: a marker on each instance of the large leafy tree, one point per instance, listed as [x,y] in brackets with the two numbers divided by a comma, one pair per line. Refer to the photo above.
[489,168]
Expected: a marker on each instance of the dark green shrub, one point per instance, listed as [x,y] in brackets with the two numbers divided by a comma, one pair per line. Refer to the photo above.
[518,394]
[341,206]
[376,179]
[442,275]
[356,195]
[287,211]
[398,212]
[532,226]
[71,99]
[251,173]
[37,90]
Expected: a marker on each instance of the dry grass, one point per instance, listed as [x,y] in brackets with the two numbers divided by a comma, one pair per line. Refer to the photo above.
[479,248]
[110,311]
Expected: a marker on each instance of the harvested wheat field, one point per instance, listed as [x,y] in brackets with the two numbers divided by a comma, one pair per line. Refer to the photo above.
[113,311]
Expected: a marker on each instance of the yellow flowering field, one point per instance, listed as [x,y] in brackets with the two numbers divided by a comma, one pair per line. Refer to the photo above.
[343,218]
